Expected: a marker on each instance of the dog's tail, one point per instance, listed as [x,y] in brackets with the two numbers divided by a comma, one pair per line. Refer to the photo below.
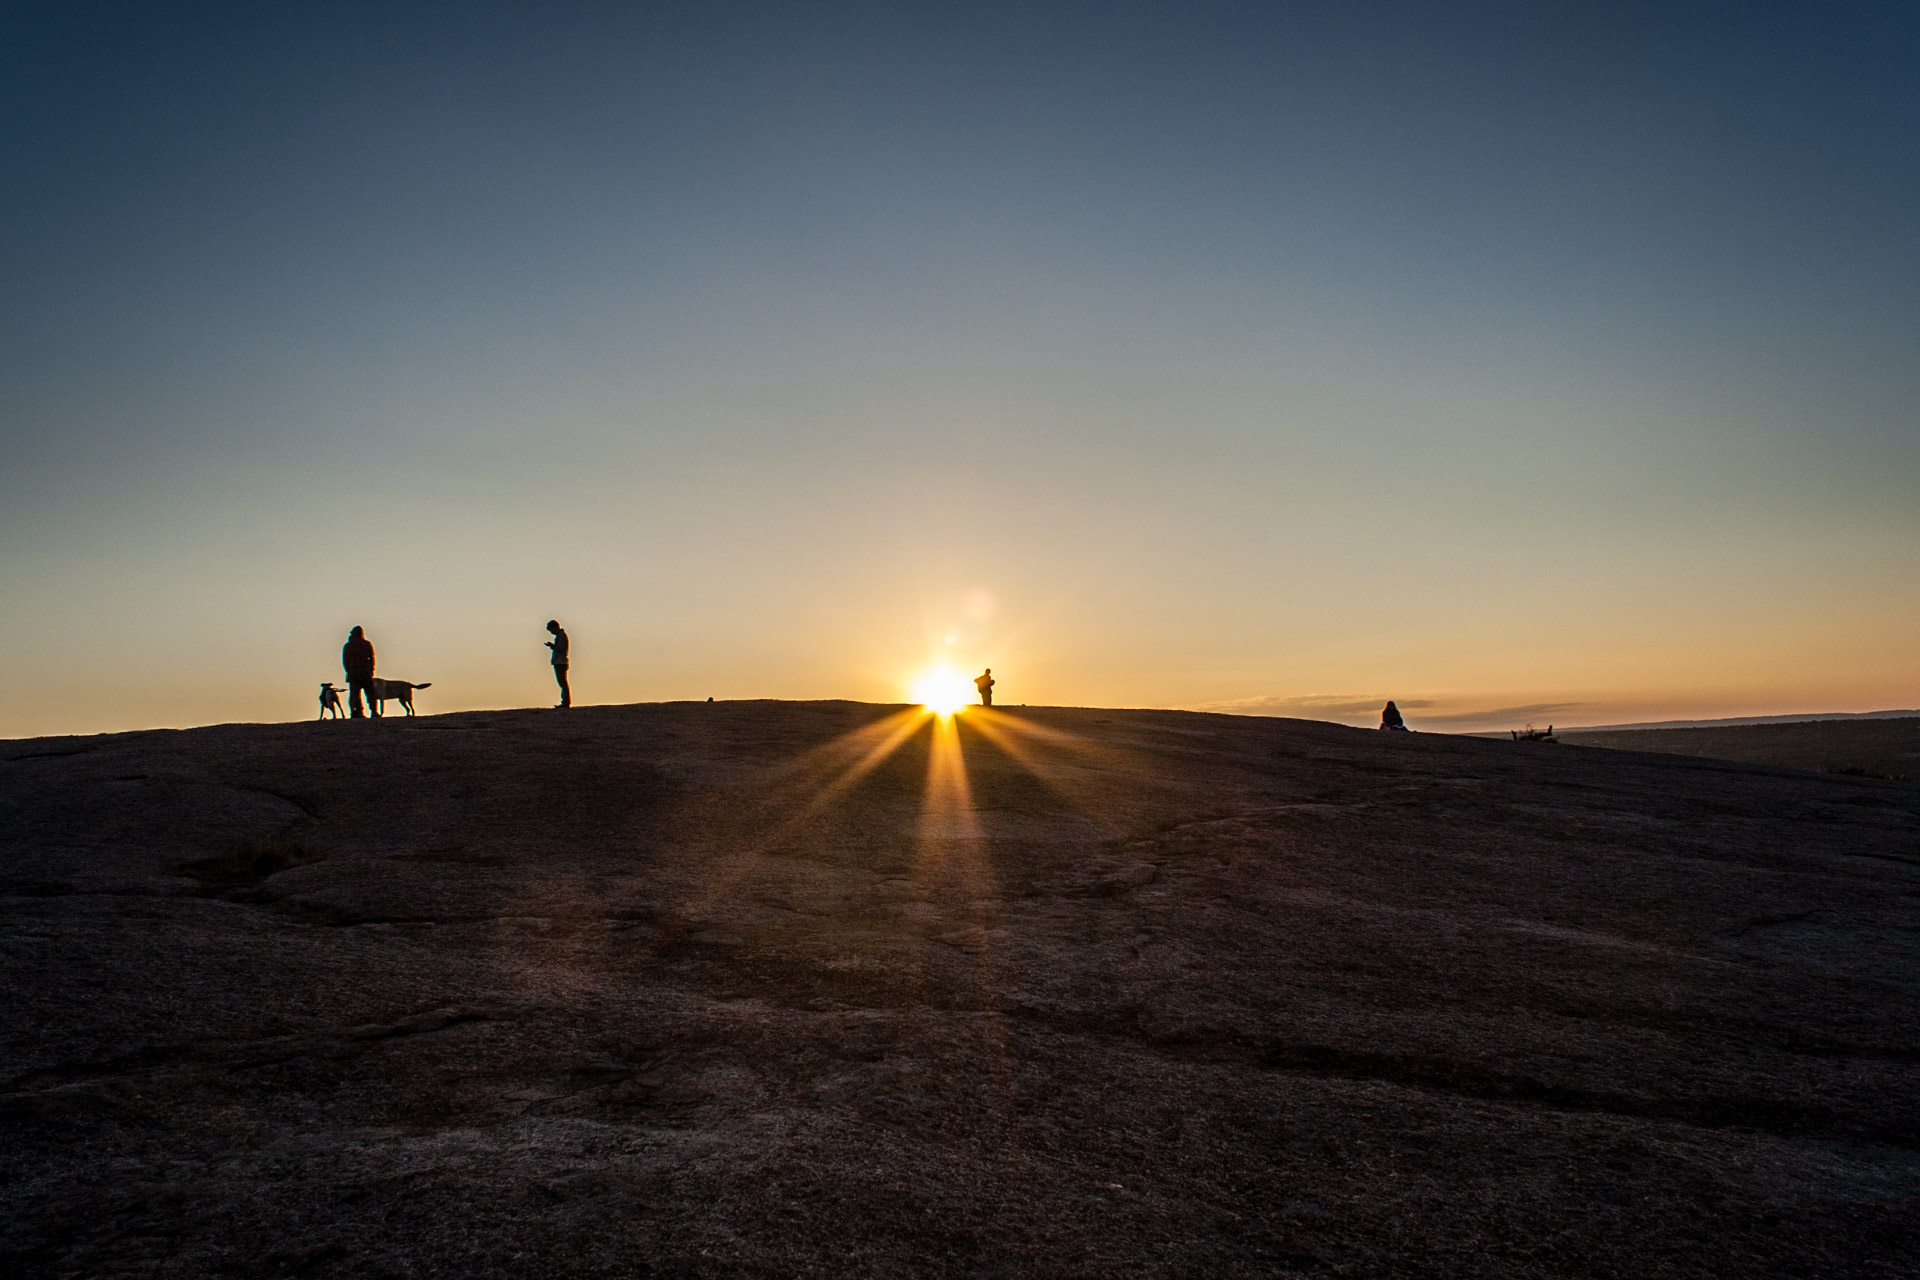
[427,685]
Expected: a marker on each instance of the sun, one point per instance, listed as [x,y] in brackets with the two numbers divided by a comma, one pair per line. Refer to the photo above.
[943,691]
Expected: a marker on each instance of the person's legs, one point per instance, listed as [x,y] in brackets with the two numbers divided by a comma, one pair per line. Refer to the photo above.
[566,694]
[355,689]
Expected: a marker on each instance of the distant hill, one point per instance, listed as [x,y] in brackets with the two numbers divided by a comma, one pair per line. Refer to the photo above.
[1878,745]
[1730,721]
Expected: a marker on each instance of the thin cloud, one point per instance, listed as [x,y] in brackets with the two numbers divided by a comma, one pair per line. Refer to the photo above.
[1499,717]
[1422,713]
[1311,706]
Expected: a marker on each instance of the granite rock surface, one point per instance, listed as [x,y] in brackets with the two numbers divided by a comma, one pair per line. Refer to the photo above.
[829,989]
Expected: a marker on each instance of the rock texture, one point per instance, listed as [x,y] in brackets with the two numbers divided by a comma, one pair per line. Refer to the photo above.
[791,989]
[1887,749]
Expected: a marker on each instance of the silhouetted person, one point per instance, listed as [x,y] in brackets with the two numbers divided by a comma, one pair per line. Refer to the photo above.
[1390,718]
[559,646]
[356,658]
[984,683]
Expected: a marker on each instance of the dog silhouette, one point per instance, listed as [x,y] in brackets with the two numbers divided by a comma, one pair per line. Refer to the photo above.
[398,690]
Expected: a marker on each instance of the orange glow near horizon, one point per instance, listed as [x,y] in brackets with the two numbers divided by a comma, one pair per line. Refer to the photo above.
[943,691]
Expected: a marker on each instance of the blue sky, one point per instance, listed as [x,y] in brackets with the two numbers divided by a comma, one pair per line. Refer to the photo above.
[1488,357]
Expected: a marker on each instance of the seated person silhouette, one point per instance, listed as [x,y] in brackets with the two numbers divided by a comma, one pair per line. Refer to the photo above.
[1390,718]
[984,683]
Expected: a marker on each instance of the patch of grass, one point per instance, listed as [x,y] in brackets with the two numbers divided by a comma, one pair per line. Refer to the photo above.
[251,862]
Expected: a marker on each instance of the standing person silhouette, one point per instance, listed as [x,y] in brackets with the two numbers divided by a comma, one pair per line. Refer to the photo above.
[559,646]
[356,659]
[984,683]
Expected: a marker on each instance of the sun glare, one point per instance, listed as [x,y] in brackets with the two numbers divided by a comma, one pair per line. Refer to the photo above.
[943,691]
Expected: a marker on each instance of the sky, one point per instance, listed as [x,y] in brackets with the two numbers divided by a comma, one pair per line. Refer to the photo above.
[1534,362]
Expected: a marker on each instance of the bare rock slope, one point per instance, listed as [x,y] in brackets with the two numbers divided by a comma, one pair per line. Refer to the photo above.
[1864,748]
[787,989]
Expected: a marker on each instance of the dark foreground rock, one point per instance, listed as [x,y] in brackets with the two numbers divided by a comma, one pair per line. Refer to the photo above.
[680,991]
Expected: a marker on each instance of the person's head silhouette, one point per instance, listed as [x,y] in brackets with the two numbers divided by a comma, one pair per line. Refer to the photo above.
[354,634]
[553,626]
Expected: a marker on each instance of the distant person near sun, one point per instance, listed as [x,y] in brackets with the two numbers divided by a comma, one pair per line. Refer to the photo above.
[356,659]
[984,683]
[559,646]
[1390,718]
